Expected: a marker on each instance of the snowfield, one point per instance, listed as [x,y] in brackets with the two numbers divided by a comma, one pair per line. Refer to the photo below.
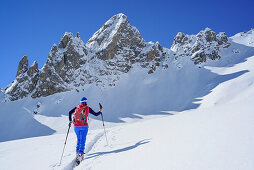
[154,124]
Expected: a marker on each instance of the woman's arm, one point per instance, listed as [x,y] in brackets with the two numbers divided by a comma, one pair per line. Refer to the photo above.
[93,112]
[71,112]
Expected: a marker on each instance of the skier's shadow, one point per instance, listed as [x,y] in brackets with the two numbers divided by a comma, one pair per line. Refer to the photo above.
[92,155]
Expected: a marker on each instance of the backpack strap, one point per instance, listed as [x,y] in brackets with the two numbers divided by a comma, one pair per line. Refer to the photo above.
[82,115]
[85,115]
[75,116]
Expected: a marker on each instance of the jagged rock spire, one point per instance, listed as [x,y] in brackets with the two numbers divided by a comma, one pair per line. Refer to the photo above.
[23,66]
[104,36]
[33,69]
[78,35]
[25,81]
[65,39]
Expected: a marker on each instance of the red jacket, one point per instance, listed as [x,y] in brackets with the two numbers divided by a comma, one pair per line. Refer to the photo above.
[77,121]
[90,111]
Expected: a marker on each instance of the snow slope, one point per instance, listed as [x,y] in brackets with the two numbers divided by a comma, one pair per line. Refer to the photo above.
[218,135]
[245,38]
[163,90]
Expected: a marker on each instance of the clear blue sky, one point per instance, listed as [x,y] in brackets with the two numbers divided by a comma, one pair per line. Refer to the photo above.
[32,27]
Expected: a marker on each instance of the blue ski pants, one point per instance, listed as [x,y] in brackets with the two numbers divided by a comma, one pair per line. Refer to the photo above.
[81,132]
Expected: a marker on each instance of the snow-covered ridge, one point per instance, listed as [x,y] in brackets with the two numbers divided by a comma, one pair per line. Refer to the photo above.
[246,38]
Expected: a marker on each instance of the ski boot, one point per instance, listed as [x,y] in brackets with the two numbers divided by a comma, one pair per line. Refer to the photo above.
[79,158]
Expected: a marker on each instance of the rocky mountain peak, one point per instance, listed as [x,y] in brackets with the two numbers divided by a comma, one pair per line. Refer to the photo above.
[33,69]
[68,36]
[78,35]
[25,81]
[53,49]
[23,66]
[69,48]
[60,66]
[118,45]
[207,34]
[116,32]
[116,20]
[180,38]
[205,45]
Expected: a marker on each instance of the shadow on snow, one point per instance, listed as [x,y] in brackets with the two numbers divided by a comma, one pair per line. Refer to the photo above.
[142,142]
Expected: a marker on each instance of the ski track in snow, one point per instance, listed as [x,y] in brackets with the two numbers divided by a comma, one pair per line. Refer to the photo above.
[100,149]
[97,140]
[91,149]
[89,146]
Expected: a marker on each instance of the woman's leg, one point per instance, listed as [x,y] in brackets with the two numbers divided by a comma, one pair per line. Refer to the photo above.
[77,131]
[83,134]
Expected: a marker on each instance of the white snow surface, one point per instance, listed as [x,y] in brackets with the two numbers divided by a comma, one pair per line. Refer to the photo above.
[180,118]
[246,38]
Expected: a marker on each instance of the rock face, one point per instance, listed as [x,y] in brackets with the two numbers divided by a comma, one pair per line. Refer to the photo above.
[201,47]
[152,56]
[117,37]
[113,50]
[121,46]
[60,66]
[117,43]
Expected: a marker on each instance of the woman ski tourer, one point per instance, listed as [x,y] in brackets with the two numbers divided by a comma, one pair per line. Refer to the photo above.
[81,125]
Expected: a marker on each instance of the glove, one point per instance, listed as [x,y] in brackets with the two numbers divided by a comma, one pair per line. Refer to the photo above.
[70,123]
[100,107]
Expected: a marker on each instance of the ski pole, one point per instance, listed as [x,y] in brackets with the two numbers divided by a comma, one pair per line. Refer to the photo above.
[103,124]
[65,143]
